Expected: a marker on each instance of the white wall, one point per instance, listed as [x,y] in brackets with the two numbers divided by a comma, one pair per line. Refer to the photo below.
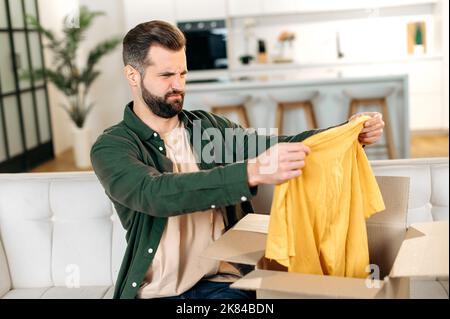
[110,92]
[138,11]
[51,15]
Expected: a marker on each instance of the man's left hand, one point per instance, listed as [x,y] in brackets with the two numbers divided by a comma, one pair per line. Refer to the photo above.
[373,128]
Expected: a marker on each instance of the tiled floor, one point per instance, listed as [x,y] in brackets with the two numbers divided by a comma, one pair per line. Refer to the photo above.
[421,146]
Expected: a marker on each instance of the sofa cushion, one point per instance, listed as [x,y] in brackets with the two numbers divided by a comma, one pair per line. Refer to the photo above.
[82,231]
[26,293]
[28,247]
[65,230]
[87,292]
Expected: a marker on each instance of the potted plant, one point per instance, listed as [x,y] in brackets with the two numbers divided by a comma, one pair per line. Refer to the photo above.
[72,80]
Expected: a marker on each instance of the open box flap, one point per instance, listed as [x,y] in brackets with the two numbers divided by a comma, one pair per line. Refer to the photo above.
[309,285]
[245,243]
[424,252]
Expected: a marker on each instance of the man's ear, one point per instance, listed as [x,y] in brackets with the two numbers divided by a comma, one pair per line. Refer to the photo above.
[132,75]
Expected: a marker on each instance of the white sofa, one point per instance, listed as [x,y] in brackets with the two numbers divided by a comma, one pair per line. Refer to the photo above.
[60,236]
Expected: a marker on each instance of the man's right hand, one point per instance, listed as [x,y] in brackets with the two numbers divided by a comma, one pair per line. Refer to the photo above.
[277,164]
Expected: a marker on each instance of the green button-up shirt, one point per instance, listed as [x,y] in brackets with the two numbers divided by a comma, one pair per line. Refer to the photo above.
[130,161]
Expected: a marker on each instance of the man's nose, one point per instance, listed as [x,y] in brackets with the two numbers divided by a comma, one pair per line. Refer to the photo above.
[178,83]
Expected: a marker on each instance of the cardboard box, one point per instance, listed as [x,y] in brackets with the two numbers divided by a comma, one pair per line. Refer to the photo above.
[397,254]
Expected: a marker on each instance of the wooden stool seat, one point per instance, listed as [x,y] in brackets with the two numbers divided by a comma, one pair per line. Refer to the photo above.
[230,103]
[289,100]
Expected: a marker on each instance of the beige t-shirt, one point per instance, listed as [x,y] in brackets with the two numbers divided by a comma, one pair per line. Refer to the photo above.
[177,265]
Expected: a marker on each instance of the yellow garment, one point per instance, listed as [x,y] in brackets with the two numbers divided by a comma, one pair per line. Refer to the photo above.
[317,220]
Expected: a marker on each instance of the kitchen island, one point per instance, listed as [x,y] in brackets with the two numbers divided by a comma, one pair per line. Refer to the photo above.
[331,105]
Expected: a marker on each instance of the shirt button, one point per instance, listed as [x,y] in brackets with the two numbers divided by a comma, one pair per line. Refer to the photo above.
[150,250]
[155,134]
[243,198]
[161,148]
[134,285]
[213,206]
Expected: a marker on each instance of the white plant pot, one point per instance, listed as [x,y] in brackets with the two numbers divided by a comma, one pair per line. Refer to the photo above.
[82,147]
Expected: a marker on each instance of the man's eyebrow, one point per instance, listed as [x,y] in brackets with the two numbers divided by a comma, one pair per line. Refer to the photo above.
[172,73]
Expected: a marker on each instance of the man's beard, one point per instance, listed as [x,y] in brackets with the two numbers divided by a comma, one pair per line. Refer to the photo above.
[160,106]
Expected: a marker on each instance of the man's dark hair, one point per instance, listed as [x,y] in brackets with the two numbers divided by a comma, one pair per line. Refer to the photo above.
[138,41]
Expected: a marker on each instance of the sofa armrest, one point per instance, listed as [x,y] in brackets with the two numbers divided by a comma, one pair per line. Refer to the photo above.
[5,278]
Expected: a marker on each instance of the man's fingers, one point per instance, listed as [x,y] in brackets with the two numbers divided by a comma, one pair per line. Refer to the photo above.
[295,147]
[371,133]
[293,165]
[290,174]
[377,118]
[369,140]
[372,128]
[292,156]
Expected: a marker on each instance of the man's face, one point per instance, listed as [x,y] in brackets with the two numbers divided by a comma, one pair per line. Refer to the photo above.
[163,82]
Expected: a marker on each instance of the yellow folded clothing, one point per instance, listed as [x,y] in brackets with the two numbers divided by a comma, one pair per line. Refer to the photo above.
[317,220]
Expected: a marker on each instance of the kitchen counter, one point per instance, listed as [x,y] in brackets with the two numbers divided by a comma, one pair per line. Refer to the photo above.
[331,105]
[288,80]
[333,63]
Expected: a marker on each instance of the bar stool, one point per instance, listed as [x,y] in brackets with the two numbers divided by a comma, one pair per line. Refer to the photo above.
[375,97]
[225,103]
[295,99]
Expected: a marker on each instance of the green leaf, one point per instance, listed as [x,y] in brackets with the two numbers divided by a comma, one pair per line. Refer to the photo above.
[101,49]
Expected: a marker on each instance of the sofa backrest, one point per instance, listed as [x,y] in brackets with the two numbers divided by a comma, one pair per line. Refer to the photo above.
[61,229]
[428,189]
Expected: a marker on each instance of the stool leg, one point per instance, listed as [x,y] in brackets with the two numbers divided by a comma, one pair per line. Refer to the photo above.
[243,116]
[279,118]
[310,115]
[388,130]
[353,108]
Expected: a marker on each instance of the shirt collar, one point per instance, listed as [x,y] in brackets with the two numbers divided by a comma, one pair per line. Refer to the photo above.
[140,128]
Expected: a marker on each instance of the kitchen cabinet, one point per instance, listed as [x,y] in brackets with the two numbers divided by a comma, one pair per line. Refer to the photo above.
[138,11]
[280,6]
[237,8]
[341,5]
[193,10]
